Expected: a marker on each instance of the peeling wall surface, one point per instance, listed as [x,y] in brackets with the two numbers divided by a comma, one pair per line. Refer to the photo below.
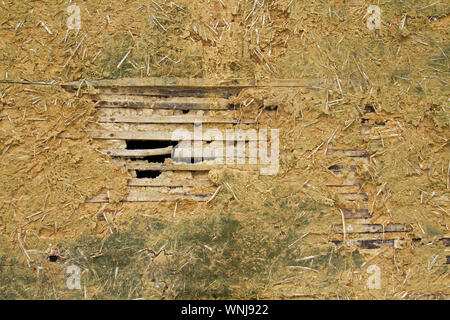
[357,91]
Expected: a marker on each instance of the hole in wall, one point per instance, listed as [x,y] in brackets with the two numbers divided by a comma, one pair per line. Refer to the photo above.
[141,174]
[53,258]
[149,144]
[369,109]
[271,108]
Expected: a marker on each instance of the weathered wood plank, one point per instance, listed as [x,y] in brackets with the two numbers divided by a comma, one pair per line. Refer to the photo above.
[198,82]
[356,213]
[114,144]
[376,243]
[145,182]
[177,103]
[154,136]
[189,105]
[146,166]
[371,228]
[187,128]
[340,169]
[136,196]
[161,91]
[161,105]
[120,135]
[137,153]
[173,119]
[368,244]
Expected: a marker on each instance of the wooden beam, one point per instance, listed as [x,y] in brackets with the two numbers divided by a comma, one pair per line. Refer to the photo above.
[146,182]
[368,244]
[146,166]
[137,153]
[142,101]
[356,214]
[199,83]
[153,196]
[151,136]
[371,228]
[374,243]
[173,119]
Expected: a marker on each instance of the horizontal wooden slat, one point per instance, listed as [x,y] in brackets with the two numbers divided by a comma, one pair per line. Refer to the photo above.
[143,105]
[368,244]
[178,103]
[138,195]
[227,114]
[371,228]
[356,213]
[375,243]
[189,105]
[173,119]
[152,196]
[167,91]
[118,135]
[176,128]
[340,169]
[151,136]
[145,166]
[145,182]
[186,87]
[137,153]
[114,144]
[198,82]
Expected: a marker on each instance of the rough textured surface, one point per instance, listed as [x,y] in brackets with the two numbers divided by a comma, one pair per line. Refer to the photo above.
[272,239]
